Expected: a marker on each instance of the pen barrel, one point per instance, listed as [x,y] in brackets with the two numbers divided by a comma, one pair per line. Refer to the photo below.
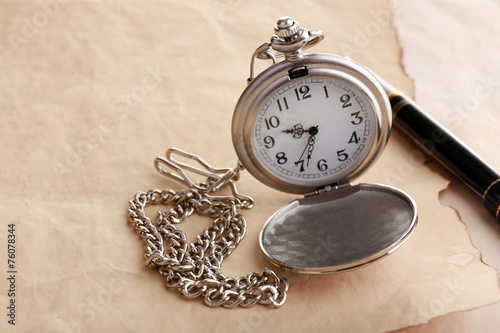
[447,149]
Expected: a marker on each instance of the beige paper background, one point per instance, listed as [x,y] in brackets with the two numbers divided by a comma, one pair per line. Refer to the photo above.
[449,51]
[92,93]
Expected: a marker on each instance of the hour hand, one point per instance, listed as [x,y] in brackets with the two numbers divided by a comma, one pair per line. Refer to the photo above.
[297,131]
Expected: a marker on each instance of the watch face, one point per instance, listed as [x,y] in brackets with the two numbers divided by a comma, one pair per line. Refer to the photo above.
[314,129]
[322,121]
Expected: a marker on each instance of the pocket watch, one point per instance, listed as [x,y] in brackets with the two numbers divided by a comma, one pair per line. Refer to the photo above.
[310,124]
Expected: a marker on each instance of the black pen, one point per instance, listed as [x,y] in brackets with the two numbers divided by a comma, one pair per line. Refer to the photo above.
[445,148]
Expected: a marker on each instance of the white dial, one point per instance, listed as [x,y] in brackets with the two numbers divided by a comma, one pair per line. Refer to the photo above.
[314,130]
[322,121]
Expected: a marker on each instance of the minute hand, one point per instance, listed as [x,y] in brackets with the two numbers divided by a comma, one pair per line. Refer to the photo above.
[311,141]
[309,148]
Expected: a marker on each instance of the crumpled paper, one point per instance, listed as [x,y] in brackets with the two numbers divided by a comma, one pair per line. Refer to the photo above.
[457,41]
[92,93]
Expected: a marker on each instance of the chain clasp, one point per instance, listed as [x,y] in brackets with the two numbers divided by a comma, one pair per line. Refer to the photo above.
[217,178]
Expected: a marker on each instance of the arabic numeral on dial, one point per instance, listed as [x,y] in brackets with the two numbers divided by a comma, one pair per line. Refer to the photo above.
[358,119]
[269,142]
[301,162]
[342,155]
[345,100]
[272,122]
[281,158]
[326,91]
[304,91]
[282,104]
[354,138]
[322,166]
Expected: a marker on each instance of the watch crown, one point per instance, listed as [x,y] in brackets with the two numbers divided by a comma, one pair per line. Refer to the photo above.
[286,27]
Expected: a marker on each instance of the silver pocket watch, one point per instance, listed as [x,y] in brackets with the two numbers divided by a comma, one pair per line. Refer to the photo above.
[311,124]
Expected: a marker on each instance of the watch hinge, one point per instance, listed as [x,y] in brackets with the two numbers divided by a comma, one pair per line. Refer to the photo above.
[328,188]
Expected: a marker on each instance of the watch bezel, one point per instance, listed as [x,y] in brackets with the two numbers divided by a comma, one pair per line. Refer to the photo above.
[272,78]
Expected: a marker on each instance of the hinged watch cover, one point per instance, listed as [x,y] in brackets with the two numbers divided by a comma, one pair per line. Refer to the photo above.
[338,230]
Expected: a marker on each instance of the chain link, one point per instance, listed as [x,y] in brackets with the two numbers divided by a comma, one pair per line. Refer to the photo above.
[195,269]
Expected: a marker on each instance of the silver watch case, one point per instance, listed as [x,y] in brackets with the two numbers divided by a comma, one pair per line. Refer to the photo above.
[335,227]
[277,75]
